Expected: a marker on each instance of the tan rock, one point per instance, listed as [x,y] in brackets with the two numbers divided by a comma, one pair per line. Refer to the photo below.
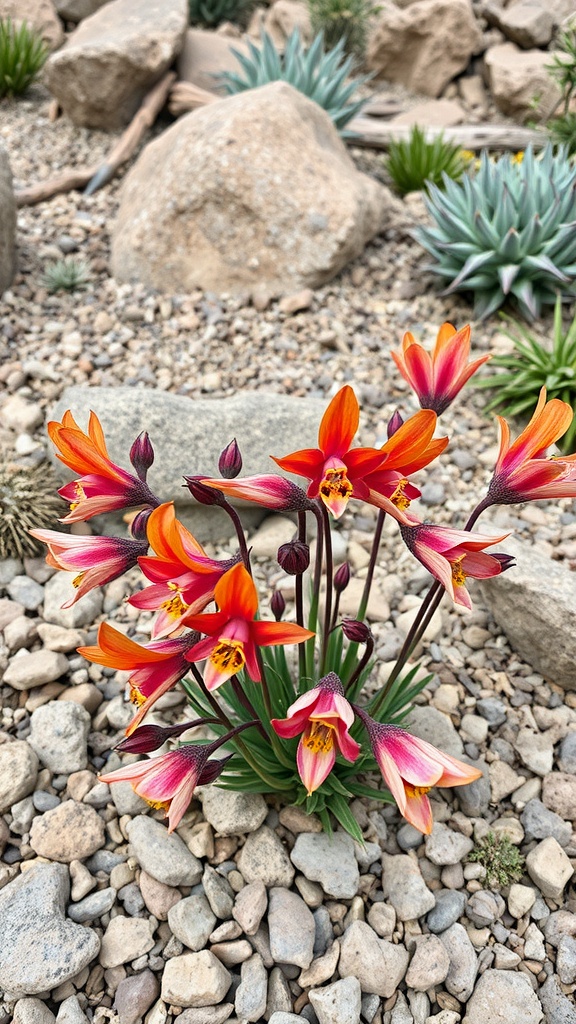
[525,22]
[425,45]
[516,78]
[205,55]
[114,57]
[7,221]
[437,113]
[224,199]
[71,831]
[280,20]
[39,15]
[77,10]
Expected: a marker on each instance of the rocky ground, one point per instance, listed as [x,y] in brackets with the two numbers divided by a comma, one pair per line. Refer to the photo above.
[249,913]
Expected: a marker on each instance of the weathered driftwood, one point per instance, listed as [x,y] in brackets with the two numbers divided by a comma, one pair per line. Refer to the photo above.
[93,178]
[374,133]
[185,97]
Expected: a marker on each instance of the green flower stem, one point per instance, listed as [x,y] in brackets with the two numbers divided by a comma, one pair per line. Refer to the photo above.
[313,616]
[299,594]
[220,714]
[362,663]
[329,586]
[246,703]
[371,565]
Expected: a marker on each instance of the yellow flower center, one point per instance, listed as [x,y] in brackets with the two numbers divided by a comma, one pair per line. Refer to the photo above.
[228,655]
[336,484]
[158,805]
[78,580]
[174,606]
[399,498]
[458,574]
[136,697]
[80,495]
[319,738]
[416,791]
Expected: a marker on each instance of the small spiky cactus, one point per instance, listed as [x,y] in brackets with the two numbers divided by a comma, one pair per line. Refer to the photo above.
[28,500]
[67,275]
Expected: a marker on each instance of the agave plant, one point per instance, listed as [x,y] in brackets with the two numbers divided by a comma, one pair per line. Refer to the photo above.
[214,12]
[413,162]
[510,231]
[66,275]
[22,55]
[535,364]
[319,75]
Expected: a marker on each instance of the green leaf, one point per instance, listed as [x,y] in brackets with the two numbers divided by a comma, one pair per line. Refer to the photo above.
[344,816]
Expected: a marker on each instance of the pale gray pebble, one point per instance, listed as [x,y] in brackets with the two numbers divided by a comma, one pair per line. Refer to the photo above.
[279,1017]
[463,962]
[324,931]
[163,855]
[369,1006]
[431,725]
[404,887]
[449,907]
[18,772]
[99,795]
[485,907]
[566,960]
[498,989]
[338,1003]
[195,979]
[279,994]
[22,815]
[559,1009]
[329,860]
[264,858]
[379,965]
[419,1006]
[400,1013]
[408,837]
[70,1012]
[9,569]
[32,1011]
[251,994]
[131,898]
[250,907]
[192,921]
[207,1014]
[84,612]
[445,847]
[59,735]
[44,801]
[30,669]
[27,592]
[219,893]
[493,710]
[291,928]
[135,995]
[232,813]
[567,754]
[539,822]
[92,906]
[104,860]
[474,799]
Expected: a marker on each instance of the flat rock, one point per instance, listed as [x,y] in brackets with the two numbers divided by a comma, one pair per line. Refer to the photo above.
[549,867]
[444,846]
[163,855]
[250,998]
[205,55]
[232,813]
[59,589]
[338,1003]
[429,965]
[463,962]
[263,858]
[433,726]
[35,669]
[437,113]
[71,831]
[40,16]
[234,208]
[329,860]
[92,906]
[113,58]
[526,23]
[404,887]
[18,772]
[135,995]
[32,1011]
[59,735]
[192,921]
[498,989]
[39,959]
[195,979]
[378,965]
[292,929]
[125,939]
[539,822]
[449,907]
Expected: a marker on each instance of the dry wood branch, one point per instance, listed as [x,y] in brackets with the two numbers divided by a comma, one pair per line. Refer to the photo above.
[98,175]
[373,133]
[185,97]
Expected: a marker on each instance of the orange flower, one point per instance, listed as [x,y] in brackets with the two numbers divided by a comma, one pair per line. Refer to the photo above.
[409,449]
[438,377]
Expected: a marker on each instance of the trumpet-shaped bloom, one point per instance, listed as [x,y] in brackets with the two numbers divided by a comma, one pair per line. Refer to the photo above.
[410,447]
[453,555]
[323,716]
[232,634]
[154,668]
[96,560]
[183,576]
[411,767]
[265,489]
[103,486]
[523,473]
[168,781]
[438,377]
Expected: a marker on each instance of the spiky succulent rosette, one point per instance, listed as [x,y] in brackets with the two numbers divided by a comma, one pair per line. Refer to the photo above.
[507,232]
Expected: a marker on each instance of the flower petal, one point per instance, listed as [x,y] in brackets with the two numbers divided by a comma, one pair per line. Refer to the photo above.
[339,423]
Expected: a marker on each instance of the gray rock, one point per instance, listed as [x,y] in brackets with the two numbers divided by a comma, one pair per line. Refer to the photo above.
[192,921]
[58,590]
[7,222]
[338,1003]
[22,815]
[218,893]
[567,754]
[404,887]
[378,965]
[287,1018]
[429,965]
[32,1011]
[559,924]
[125,939]
[232,813]
[126,801]
[474,798]
[77,10]
[263,858]
[530,25]
[535,601]
[463,962]
[329,860]
[251,994]
[161,854]
[135,995]
[549,867]
[35,669]
[195,979]
[566,960]
[59,735]
[539,823]
[493,710]
[208,1014]
[71,831]
[559,1009]
[250,907]
[431,725]
[70,1012]
[92,906]
[38,959]
[29,593]
[19,633]
[485,907]
[10,567]
[291,926]
[443,846]
[498,989]
[18,772]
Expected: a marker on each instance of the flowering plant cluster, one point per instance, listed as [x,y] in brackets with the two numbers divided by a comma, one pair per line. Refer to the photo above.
[286,701]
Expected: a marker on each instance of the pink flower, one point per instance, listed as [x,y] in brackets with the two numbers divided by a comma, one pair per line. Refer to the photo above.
[438,377]
[324,716]
[96,560]
[267,490]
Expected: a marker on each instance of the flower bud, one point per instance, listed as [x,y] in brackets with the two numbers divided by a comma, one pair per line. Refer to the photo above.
[355,631]
[294,557]
[394,423]
[150,737]
[142,454]
[139,523]
[212,770]
[204,494]
[506,561]
[230,461]
[342,577]
[278,605]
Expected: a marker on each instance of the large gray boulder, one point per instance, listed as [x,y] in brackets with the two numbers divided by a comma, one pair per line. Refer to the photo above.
[114,57]
[7,222]
[534,603]
[253,191]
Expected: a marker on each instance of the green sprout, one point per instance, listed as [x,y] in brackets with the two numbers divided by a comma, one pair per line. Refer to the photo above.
[501,860]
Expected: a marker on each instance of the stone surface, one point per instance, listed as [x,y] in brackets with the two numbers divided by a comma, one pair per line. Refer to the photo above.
[77,10]
[549,867]
[135,995]
[559,794]
[233,205]
[250,907]
[192,921]
[463,962]
[32,1011]
[38,959]
[59,735]
[264,859]
[559,1009]
[113,58]
[338,1003]
[92,906]
[205,55]
[378,965]
[162,855]
[125,939]
[403,45]
[159,898]
[329,860]
[515,78]
[291,927]
[18,772]
[231,813]
[59,589]
[28,670]
[497,990]
[444,846]
[433,726]
[71,831]
[195,979]
[437,113]
[404,887]
[250,999]
[39,15]
[539,822]
[525,22]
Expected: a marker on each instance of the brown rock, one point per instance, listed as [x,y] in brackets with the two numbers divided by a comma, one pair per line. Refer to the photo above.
[39,15]
[279,21]
[7,220]
[71,831]
[77,10]
[559,794]
[205,55]
[526,23]
[233,202]
[157,896]
[516,76]
[424,46]
[439,113]
[114,57]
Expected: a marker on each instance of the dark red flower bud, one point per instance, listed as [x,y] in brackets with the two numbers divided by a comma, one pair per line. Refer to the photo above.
[204,494]
[294,557]
[278,605]
[150,737]
[230,461]
[394,423]
[212,770]
[355,631]
[342,577]
[139,525]
[506,561]
[142,454]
